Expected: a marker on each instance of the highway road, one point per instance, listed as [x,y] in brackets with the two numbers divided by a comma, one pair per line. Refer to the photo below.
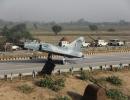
[28,66]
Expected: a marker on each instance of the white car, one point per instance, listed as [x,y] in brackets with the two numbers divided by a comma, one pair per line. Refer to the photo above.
[85,44]
[14,47]
[101,42]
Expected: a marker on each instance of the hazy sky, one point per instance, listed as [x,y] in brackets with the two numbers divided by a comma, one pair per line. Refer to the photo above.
[65,10]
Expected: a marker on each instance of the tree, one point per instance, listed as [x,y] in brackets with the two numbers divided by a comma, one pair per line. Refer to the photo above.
[35,26]
[111,30]
[81,21]
[2,42]
[5,31]
[16,33]
[93,27]
[56,29]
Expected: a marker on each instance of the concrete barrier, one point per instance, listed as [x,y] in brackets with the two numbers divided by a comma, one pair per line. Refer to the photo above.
[71,69]
[93,52]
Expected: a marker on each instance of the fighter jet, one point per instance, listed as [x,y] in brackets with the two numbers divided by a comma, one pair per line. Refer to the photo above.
[73,50]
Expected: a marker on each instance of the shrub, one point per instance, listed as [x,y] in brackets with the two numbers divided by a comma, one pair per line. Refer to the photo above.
[56,88]
[25,88]
[63,98]
[115,94]
[114,80]
[52,83]
[85,75]
[60,82]
[47,82]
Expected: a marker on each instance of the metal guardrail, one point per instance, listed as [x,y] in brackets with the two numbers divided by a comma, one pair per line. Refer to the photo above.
[71,69]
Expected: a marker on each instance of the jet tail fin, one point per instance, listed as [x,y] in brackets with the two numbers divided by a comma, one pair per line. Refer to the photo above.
[77,44]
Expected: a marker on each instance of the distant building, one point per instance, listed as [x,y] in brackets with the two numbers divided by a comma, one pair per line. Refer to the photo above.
[64,42]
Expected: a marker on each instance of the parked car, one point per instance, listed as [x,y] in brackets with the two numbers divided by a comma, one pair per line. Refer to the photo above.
[14,47]
[115,42]
[85,44]
[100,43]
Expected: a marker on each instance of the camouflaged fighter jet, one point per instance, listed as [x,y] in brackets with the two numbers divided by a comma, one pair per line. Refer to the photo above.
[73,50]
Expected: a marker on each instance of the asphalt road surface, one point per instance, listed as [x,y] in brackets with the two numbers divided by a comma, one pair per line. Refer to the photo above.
[37,65]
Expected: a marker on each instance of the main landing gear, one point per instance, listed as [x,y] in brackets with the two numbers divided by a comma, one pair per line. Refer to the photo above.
[49,65]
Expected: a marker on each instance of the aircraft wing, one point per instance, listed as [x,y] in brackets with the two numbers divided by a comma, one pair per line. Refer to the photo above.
[49,48]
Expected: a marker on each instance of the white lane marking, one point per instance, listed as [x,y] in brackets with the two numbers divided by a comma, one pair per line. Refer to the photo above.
[19,65]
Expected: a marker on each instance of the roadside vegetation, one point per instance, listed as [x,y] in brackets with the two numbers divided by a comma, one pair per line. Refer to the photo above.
[85,75]
[114,80]
[116,94]
[60,85]
[16,33]
[88,76]
[52,83]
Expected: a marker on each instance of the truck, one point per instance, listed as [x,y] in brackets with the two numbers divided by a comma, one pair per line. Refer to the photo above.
[115,42]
